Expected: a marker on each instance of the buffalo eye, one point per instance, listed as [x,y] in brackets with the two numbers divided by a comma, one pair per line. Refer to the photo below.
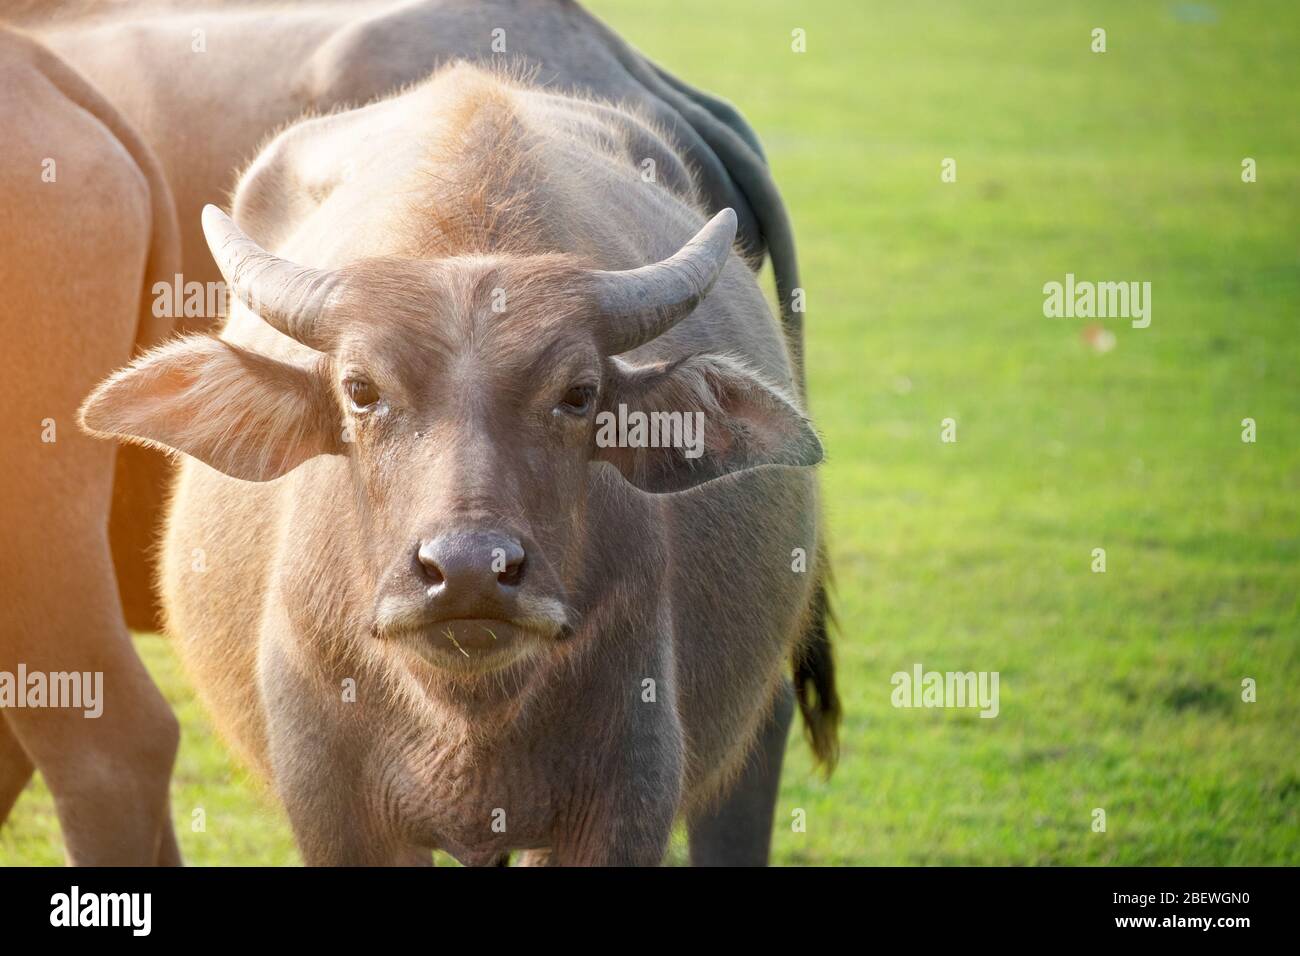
[577,400]
[361,393]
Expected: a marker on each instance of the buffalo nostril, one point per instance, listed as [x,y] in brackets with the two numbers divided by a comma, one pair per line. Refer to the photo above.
[428,559]
[513,573]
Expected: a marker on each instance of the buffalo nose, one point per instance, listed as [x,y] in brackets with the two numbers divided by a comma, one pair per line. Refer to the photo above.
[471,565]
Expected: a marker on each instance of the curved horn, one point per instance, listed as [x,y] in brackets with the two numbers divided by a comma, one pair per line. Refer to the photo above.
[288,297]
[641,304]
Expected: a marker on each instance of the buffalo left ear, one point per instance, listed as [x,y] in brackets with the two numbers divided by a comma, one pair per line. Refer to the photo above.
[671,426]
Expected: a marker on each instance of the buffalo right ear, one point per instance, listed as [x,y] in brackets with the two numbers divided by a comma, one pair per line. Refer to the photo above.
[246,415]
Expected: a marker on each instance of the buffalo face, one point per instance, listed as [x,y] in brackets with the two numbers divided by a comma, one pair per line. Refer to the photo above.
[467,399]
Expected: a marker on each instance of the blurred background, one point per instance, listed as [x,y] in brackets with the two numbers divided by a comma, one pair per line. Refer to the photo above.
[1119,690]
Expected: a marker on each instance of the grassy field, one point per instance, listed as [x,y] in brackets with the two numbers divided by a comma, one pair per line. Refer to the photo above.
[1119,691]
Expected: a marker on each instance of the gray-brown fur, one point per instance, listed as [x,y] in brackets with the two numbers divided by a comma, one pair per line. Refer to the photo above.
[694,590]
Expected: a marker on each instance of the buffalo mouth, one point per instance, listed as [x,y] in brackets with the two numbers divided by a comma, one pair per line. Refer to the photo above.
[491,635]
[470,636]
[470,643]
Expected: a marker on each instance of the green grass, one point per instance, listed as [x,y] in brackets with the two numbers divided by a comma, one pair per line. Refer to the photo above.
[1118,690]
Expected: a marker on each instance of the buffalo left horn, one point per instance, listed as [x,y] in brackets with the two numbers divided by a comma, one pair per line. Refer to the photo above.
[641,304]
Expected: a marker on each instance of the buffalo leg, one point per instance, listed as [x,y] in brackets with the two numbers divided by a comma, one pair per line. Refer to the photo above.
[15,768]
[169,851]
[316,760]
[630,824]
[644,847]
[333,830]
[738,831]
[108,772]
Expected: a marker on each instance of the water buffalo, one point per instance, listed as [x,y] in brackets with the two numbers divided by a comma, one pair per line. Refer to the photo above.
[180,70]
[417,592]
[87,226]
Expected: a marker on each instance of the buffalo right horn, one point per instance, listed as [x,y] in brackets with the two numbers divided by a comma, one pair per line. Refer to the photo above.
[290,298]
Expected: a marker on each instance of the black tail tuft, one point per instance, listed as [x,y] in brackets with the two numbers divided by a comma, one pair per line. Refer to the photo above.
[814,681]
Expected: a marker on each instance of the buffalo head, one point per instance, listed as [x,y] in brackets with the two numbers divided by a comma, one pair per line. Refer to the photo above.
[464,399]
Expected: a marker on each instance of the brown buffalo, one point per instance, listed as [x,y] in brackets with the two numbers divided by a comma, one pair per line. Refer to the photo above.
[207,82]
[87,226]
[417,588]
